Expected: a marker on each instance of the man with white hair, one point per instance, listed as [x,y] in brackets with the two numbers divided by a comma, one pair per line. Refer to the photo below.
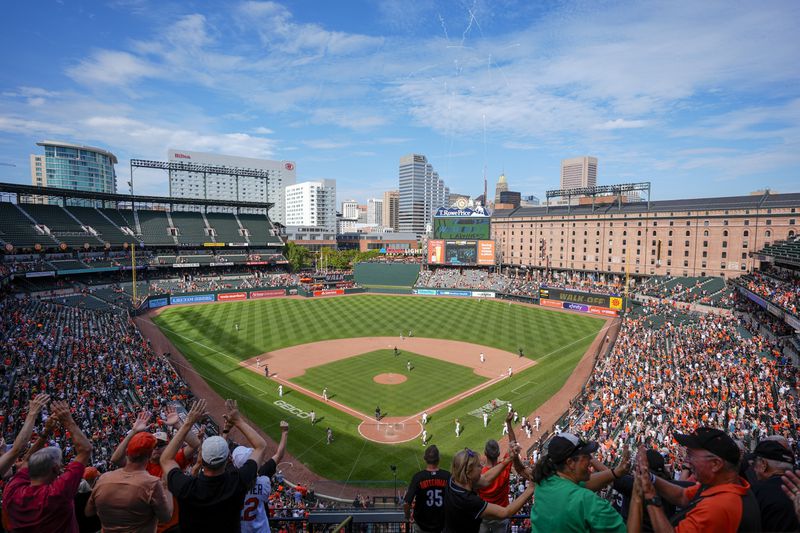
[254,512]
[40,495]
[212,500]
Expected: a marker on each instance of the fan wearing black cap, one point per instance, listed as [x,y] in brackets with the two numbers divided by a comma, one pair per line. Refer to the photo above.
[771,461]
[563,503]
[721,501]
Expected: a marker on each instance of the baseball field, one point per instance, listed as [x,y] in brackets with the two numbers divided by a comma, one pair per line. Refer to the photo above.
[345,346]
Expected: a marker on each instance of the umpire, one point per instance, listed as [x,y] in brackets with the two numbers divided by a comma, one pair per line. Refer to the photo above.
[426,491]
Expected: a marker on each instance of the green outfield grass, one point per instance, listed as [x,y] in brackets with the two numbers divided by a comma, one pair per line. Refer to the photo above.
[429,382]
[207,336]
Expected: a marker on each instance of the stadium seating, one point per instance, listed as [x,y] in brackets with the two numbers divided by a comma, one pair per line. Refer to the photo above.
[191,227]
[155,228]
[18,230]
[62,226]
[785,250]
[260,228]
[120,217]
[226,226]
[107,231]
[67,264]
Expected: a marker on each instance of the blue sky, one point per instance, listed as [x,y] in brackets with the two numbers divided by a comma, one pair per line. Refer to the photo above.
[701,98]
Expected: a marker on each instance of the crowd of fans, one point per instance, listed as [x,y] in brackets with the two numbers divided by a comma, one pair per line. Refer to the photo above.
[782,290]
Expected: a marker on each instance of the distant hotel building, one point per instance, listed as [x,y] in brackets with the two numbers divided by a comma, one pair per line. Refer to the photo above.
[391,208]
[312,204]
[375,211]
[579,172]
[421,193]
[73,166]
[183,184]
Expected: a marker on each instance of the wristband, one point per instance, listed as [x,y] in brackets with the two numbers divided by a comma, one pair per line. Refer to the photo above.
[652,478]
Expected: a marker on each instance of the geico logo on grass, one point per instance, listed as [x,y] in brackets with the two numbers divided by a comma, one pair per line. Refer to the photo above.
[299,413]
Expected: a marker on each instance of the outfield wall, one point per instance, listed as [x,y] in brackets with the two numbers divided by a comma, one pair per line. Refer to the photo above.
[386,274]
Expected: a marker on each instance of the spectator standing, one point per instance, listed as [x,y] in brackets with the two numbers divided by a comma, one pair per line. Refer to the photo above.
[40,496]
[130,499]
[254,511]
[426,493]
[497,491]
[563,503]
[720,501]
[464,509]
[772,461]
[24,436]
[212,501]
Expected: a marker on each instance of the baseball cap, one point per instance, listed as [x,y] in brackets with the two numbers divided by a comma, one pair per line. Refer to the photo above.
[215,450]
[240,455]
[432,455]
[91,473]
[713,440]
[566,445]
[160,435]
[655,462]
[141,444]
[773,450]
[492,449]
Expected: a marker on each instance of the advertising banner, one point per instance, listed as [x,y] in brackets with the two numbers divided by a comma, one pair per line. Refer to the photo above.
[576,307]
[237,244]
[426,292]
[329,292]
[757,299]
[792,321]
[256,263]
[39,274]
[267,294]
[775,310]
[482,294]
[446,292]
[578,297]
[485,252]
[603,311]
[186,265]
[158,302]
[436,252]
[230,296]
[191,299]
[213,244]
[551,303]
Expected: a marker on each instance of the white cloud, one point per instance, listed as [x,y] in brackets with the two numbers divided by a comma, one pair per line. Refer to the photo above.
[622,124]
[111,67]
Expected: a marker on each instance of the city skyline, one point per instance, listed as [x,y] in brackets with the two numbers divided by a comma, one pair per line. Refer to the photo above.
[650,89]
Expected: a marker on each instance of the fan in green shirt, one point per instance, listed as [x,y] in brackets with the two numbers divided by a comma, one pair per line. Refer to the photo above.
[562,503]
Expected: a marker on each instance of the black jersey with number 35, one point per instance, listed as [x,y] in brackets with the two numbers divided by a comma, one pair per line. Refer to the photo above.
[426,490]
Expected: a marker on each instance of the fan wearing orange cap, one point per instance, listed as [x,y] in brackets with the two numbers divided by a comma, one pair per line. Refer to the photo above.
[131,498]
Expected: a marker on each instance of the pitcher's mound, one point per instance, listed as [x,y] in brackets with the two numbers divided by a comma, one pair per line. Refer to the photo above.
[389,379]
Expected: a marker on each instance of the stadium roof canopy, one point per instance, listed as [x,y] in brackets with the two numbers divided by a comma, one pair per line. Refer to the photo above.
[759,201]
[31,190]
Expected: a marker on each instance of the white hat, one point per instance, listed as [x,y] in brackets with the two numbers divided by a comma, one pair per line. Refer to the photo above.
[215,450]
[240,455]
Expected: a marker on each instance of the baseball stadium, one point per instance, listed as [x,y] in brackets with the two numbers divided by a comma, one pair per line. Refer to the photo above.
[121,305]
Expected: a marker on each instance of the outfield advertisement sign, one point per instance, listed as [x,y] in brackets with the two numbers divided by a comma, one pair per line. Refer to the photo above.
[231,296]
[453,292]
[186,265]
[329,292]
[267,294]
[158,302]
[191,299]
[585,298]
[581,308]
[482,294]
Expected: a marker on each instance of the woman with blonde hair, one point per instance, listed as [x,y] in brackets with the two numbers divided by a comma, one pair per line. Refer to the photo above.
[463,508]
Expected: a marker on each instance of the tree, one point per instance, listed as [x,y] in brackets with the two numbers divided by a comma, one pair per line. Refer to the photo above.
[297,256]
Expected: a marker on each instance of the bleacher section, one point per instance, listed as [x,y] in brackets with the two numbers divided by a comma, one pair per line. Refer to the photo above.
[226,227]
[191,227]
[18,230]
[789,250]
[62,226]
[122,218]
[259,228]
[106,231]
[155,228]
[67,264]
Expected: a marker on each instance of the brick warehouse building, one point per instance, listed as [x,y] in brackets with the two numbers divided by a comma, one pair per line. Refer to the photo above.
[691,237]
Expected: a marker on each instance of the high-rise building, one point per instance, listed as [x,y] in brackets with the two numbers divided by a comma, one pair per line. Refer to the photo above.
[375,211]
[211,186]
[502,186]
[391,208]
[529,200]
[312,203]
[579,172]
[421,193]
[510,198]
[350,210]
[73,166]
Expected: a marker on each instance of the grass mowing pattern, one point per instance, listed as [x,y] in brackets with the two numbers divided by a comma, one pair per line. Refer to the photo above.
[430,381]
[206,335]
